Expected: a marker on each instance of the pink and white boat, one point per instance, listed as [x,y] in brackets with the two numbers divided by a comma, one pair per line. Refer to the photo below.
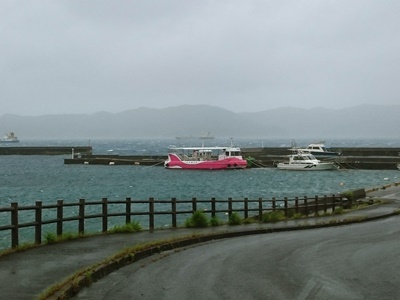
[205,158]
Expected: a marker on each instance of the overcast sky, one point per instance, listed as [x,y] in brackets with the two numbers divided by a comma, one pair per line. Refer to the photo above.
[75,56]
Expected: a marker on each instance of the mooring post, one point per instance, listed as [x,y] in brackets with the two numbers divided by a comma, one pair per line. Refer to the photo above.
[38,222]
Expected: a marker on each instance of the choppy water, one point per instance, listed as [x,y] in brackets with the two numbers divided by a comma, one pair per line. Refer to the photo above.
[26,179]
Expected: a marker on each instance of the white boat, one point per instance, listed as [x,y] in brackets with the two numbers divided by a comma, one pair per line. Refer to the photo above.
[305,162]
[9,138]
[205,158]
[316,149]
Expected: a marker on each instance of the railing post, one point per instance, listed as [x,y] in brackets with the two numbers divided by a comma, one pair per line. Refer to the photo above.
[104,212]
[173,209]
[128,209]
[194,205]
[305,205]
[325,204]
[229,207]
[38,222]
[213,208]
[260,209]
[246,208]
[81,225]
[316,206]
[286,206]
[273,204]
[333,203]
[60,217]
[14,223]
[296,204]
[151,214]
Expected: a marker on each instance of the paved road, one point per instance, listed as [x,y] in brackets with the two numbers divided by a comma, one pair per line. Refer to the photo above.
[358,261]
[26,274]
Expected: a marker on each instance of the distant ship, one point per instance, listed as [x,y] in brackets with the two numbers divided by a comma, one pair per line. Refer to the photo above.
[9,138]
[185,137]
[206,136]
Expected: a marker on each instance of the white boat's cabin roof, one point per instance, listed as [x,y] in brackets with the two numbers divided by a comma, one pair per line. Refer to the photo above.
[316,146]
[302,156]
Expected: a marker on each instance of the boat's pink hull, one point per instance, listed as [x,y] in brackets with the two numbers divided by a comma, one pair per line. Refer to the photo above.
[174,162]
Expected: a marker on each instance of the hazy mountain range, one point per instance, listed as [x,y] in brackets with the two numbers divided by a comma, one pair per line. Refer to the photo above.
[365,121]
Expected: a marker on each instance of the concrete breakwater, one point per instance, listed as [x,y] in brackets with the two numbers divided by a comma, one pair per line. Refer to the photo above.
[146,160]
[45,150]
[350,158]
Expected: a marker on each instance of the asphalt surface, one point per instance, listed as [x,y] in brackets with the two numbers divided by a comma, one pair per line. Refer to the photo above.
[358,261]
[24,275]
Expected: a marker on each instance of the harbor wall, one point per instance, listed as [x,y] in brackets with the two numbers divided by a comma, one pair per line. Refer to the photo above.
[45,150]
[350,158]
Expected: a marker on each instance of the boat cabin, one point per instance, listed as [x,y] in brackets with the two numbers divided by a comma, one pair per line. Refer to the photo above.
[205,154]
[301,158]
[317,148]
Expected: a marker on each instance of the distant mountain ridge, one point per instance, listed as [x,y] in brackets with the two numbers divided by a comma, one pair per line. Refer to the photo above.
[364,121]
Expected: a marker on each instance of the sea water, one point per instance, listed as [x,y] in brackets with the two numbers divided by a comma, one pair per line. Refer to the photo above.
[27,179]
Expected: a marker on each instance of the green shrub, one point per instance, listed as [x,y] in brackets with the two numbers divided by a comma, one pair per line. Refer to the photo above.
[273,216]
[291,213]
[234,219]
[348,195]
[127,228]
[69,236]
[297,216]
[198,219]
[338,211]
[50,238]
[214,221]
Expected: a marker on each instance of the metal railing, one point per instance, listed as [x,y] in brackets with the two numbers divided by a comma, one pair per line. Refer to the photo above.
[58,214]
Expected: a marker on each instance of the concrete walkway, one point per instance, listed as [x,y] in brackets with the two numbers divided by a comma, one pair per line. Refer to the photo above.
[24,275]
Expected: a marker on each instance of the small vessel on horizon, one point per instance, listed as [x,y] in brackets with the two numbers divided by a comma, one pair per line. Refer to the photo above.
[9,138]
[206,136]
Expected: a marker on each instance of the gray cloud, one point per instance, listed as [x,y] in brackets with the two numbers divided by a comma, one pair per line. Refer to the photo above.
[87,56]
